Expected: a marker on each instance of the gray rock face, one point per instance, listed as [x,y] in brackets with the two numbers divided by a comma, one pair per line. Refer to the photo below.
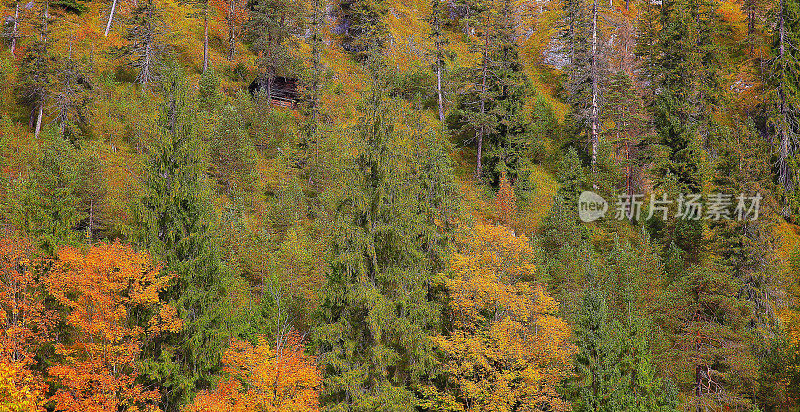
[554,55]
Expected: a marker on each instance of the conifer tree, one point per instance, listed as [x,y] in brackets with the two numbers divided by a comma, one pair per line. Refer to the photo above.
[146,43]
[46,203]
[489,112]
[585,71]
[365,30]
[37,70]
[614,364]
[270,26]
[436,20]
[625,110]
[709,346]
[784,81]
[173,221]
[594,360]
[380,305]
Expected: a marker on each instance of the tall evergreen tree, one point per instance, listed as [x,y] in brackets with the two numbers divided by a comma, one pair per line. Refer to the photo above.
[709,353]
[146,41]
[594,362]
[614,365]
[173,220]
[490,111]
[270,27]
[45,203]
[784,81]
[380,307]
[37,70]
[363,27]
[625,110]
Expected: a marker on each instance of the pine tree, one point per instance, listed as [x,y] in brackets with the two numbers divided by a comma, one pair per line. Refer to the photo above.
[594,362]
[71,97]
[614,365]
[270,27]
[625,109]
[173,220]
[46,202]
[146,41]
[380,305]
[493,91]
[585,70]
[682,68]
[637,386]
[365,31]
[709,345]
[784,100]
[436,20]
[37,71]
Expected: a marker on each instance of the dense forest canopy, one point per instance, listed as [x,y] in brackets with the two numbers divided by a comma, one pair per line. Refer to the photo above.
[383,205]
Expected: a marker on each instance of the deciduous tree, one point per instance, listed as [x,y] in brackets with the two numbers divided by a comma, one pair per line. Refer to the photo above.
[105,292]
[506,348]
[260,378]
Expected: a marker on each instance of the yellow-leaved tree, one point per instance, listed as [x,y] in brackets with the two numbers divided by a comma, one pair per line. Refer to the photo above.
[260,378]
[506,349]
[25,326]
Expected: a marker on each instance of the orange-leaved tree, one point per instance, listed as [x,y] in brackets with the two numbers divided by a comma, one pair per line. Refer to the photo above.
[506,202]
[506,349]
[260,378]
[25,324]
[110,294]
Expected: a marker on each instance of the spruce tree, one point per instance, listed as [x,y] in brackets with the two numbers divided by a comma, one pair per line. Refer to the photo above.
[173,220]
[146,41]
[625,109]
[784,98]
[594,362]
[270,27]
[380,305]
[637,385]
[493,93]
[45,203]
[708,352]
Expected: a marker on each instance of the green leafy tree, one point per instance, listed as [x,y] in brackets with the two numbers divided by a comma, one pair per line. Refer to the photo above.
[46,202]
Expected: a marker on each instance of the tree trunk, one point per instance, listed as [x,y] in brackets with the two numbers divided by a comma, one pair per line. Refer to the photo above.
[439,65]
[482,129]
[784,173]
[39,120]
[110,16]
[595,111]
[14,28]
[231,28]
[439,90]
[205,38]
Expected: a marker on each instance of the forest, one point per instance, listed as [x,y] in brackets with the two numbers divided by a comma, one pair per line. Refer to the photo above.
[399,205]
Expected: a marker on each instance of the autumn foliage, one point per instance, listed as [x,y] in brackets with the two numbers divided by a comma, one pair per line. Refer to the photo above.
[507,347]
[26,324]
[106,291]
[261,378]
[506,202]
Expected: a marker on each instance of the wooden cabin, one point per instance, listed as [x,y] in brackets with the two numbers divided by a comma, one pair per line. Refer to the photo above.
[283,92]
